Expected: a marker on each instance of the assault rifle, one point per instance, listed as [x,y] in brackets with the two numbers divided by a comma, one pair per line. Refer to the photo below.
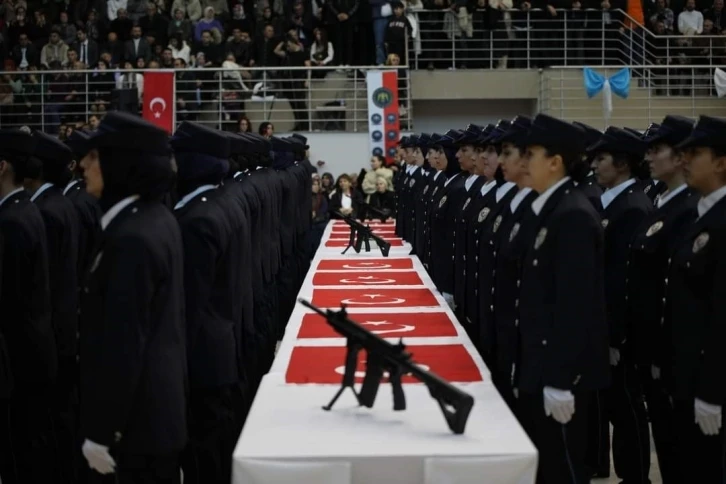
[367,210]
[361,235]
[383,356]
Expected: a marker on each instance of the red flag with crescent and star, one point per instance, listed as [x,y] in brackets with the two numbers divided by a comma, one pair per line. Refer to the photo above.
[159,99]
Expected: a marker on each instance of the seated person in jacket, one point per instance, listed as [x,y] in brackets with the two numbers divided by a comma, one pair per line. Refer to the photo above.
[383,199]
[345,199]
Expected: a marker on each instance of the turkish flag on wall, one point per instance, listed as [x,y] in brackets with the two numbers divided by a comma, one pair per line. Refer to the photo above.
[159,99]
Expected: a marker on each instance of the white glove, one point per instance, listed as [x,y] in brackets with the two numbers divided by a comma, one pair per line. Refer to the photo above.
[560,404]
[98,457]
[655,372]
[708,417]
[614,356]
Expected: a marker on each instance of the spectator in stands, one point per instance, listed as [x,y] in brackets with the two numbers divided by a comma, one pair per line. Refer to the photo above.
[113,7]
[380,11]
[40,30]
[101,83]
[265,48]
[244,125]
[398,32]
[341,21]
[131,80]
[294,82]
[67,30]
[690,21]
[346,199]
[321,53]
[187,100]
[240,20]
[180,25]
[137,46]
[136,9]
[179,48]
[303,23]
[114,48]
[664,14]
[208,23]
[167,59]
[327,183]
[270,17]
[213,53]
[220,8]
[191,8]
[25,54]
[378,170]
[122,25]
[715,14]
[266,129]
[383,198]
[320,203]
[87,49]
[54,50]
[93,26]
[240,45]
[154,22]
[19,25]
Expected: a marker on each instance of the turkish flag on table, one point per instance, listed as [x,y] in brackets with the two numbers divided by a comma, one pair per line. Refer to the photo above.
[325,364]
[381,278]
[385,325]
[340,231]
[365,265]
[346,237]
[374,298]
[344,243]
[378,225]
[159,101]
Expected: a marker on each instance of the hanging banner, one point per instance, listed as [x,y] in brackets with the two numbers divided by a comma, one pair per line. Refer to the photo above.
[383,121]
[159,97]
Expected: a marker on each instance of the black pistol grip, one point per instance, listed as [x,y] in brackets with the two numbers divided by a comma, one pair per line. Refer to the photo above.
[371,383]
[399,398]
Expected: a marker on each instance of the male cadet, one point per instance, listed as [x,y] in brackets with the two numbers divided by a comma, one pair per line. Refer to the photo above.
[47,174]
[212,287]
[590,187]
[89,212]
[26,449]
[133,351]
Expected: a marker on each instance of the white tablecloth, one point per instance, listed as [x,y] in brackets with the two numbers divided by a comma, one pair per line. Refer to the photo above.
[288,438]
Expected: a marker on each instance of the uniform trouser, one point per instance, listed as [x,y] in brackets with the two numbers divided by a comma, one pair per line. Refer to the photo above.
[622,405]
[286,292]
[141,469]
[213,430]
[265,336]
[64,415]
[27,446]
[503,383]
[561,447]
[660,413]
[701,458]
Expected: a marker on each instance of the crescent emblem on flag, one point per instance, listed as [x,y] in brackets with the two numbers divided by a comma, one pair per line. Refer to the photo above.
[402,328]
[361,374]
[367,280]
[367,265]
[160,101]
[373,301]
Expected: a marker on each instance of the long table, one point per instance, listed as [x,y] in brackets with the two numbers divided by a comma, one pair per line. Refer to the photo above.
[288,438]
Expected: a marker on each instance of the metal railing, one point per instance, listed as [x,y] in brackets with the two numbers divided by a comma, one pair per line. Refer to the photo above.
[292,98]
[533,39]
[655,92]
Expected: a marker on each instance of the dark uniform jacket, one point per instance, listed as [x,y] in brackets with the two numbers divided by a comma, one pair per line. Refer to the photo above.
[592,190]
[133,351]
[620,220]
[25,296]
[563,330]
[652,247]
[431,194]
[213,285]
[461,227]
[416,183]
[62,230]
[697,284]
[444,210]
[266,187]
[653,188]
[89,217]
[510,245]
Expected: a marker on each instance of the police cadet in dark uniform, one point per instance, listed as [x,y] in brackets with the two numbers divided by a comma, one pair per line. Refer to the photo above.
[399,182]
[462,232]
[212,289]
[417,183]
[422,201]
[590,186]
[647,272]
[26,450]
[404,199]
[47,173]
[563,331]
[618,162]
[303,171]
[133,352]
[697,284]
[509,246]
[445,214]
[89,212]
[651,186]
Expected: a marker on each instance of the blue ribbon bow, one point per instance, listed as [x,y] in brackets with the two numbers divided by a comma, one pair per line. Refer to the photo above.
[618,83]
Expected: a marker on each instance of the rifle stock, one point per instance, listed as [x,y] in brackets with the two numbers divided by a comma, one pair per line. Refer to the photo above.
[383,357]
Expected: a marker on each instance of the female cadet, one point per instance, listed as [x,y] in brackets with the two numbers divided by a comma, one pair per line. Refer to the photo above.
[133,355]
[696,292]
[618,163]
[445,213]
[589,186]
[415,186]
[509,248]
[461,227]
[450,172]
[434,181]
[418,193]
[563,332]
[647,272]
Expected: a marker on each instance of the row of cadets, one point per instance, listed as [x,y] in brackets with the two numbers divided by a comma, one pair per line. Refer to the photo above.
[28,350]
[214,281]
[410,185]
[619,165]
[442,158]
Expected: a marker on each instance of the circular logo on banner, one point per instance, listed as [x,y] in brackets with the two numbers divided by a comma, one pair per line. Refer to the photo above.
[392,135]
[377,151]
[382,97]
[392,152]
[376,119]
[377,135]
[391,118]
